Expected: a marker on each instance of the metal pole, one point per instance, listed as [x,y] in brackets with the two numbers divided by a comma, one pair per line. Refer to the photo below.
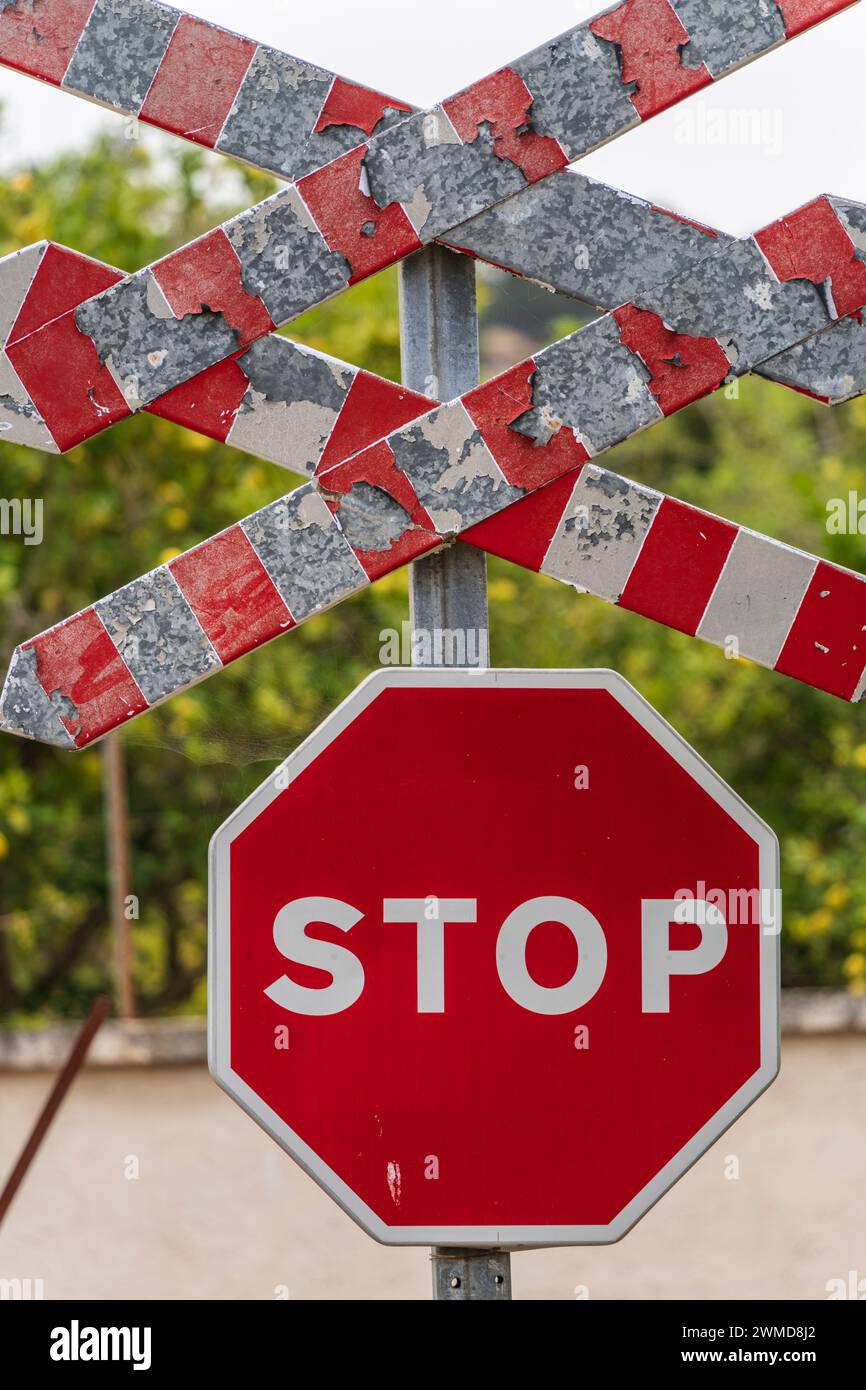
[439,351]
[71,1067]
[117,839]
[448,590]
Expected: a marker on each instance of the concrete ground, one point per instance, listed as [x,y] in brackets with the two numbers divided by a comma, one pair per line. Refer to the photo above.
[217,1211]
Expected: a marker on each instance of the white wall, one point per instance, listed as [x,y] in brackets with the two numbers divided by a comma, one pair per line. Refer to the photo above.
[219,1212]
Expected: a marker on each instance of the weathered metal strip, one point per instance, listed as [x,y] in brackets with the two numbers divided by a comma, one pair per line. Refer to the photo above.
[598,532]
[288,117]
[753,597]
[375,203]
[470,460]
[744,304]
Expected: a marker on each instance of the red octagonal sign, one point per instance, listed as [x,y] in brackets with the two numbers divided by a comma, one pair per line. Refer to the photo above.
[494,956]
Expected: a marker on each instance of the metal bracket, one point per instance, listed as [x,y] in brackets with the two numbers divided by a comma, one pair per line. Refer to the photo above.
[480,1275]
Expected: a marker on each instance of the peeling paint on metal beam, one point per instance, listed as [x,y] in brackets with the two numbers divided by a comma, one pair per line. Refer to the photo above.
[302,547]
[352,223]
[723,34]
[652,44]
[812,244]
[682,368]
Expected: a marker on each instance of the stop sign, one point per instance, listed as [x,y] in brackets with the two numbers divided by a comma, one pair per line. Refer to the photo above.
[494,956]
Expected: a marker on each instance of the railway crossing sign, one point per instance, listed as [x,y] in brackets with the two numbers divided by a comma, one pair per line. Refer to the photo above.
[510,467]
[494,957]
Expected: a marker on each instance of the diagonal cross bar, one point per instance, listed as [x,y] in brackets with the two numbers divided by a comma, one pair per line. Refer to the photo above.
[289,117]
[275,402]
[598,532]
[412,181]
[452,470]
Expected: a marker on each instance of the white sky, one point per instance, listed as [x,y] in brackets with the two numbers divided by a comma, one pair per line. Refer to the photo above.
[761,142]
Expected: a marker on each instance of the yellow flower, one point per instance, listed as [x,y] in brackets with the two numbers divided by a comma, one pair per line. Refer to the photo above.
[859,756]
[176,518]
[18,819]
[820,922]
[502,590]
[4,845]
[855,966]
[170,554]
[832,467]
[836,897]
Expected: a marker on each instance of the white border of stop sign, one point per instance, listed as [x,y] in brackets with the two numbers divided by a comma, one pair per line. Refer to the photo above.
[219,974]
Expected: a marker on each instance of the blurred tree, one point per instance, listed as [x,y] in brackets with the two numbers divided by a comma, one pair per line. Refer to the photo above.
[147,490]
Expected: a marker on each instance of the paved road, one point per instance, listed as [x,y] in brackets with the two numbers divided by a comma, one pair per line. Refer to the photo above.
[217,1211]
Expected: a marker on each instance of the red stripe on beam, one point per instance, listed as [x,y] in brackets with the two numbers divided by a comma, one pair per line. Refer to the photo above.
[61,372]
[826,646]
[40,39]
[351,222]
[650,37]
[351,105]
[207,274]
[372,409]
[802,14]
[376,466]
[522,532]
[79,662]
[682,368]
[502,103]
[678,567]
[208,403]
[198,80]
[811,244]
[63,280]
[231,594]
[495,406]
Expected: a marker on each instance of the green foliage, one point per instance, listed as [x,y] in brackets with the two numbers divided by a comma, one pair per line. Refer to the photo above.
[146,490]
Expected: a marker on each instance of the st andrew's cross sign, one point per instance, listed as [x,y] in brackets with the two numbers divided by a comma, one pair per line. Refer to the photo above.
[509,466]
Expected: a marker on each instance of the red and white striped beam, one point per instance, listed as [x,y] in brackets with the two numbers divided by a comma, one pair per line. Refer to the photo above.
[411,181]
[634,547]
[289,117]
[591,529]
[276,404]
[456,470]
[283,402]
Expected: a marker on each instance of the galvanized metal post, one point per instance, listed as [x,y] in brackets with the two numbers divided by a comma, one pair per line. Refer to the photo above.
[439,350]
[448,592]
